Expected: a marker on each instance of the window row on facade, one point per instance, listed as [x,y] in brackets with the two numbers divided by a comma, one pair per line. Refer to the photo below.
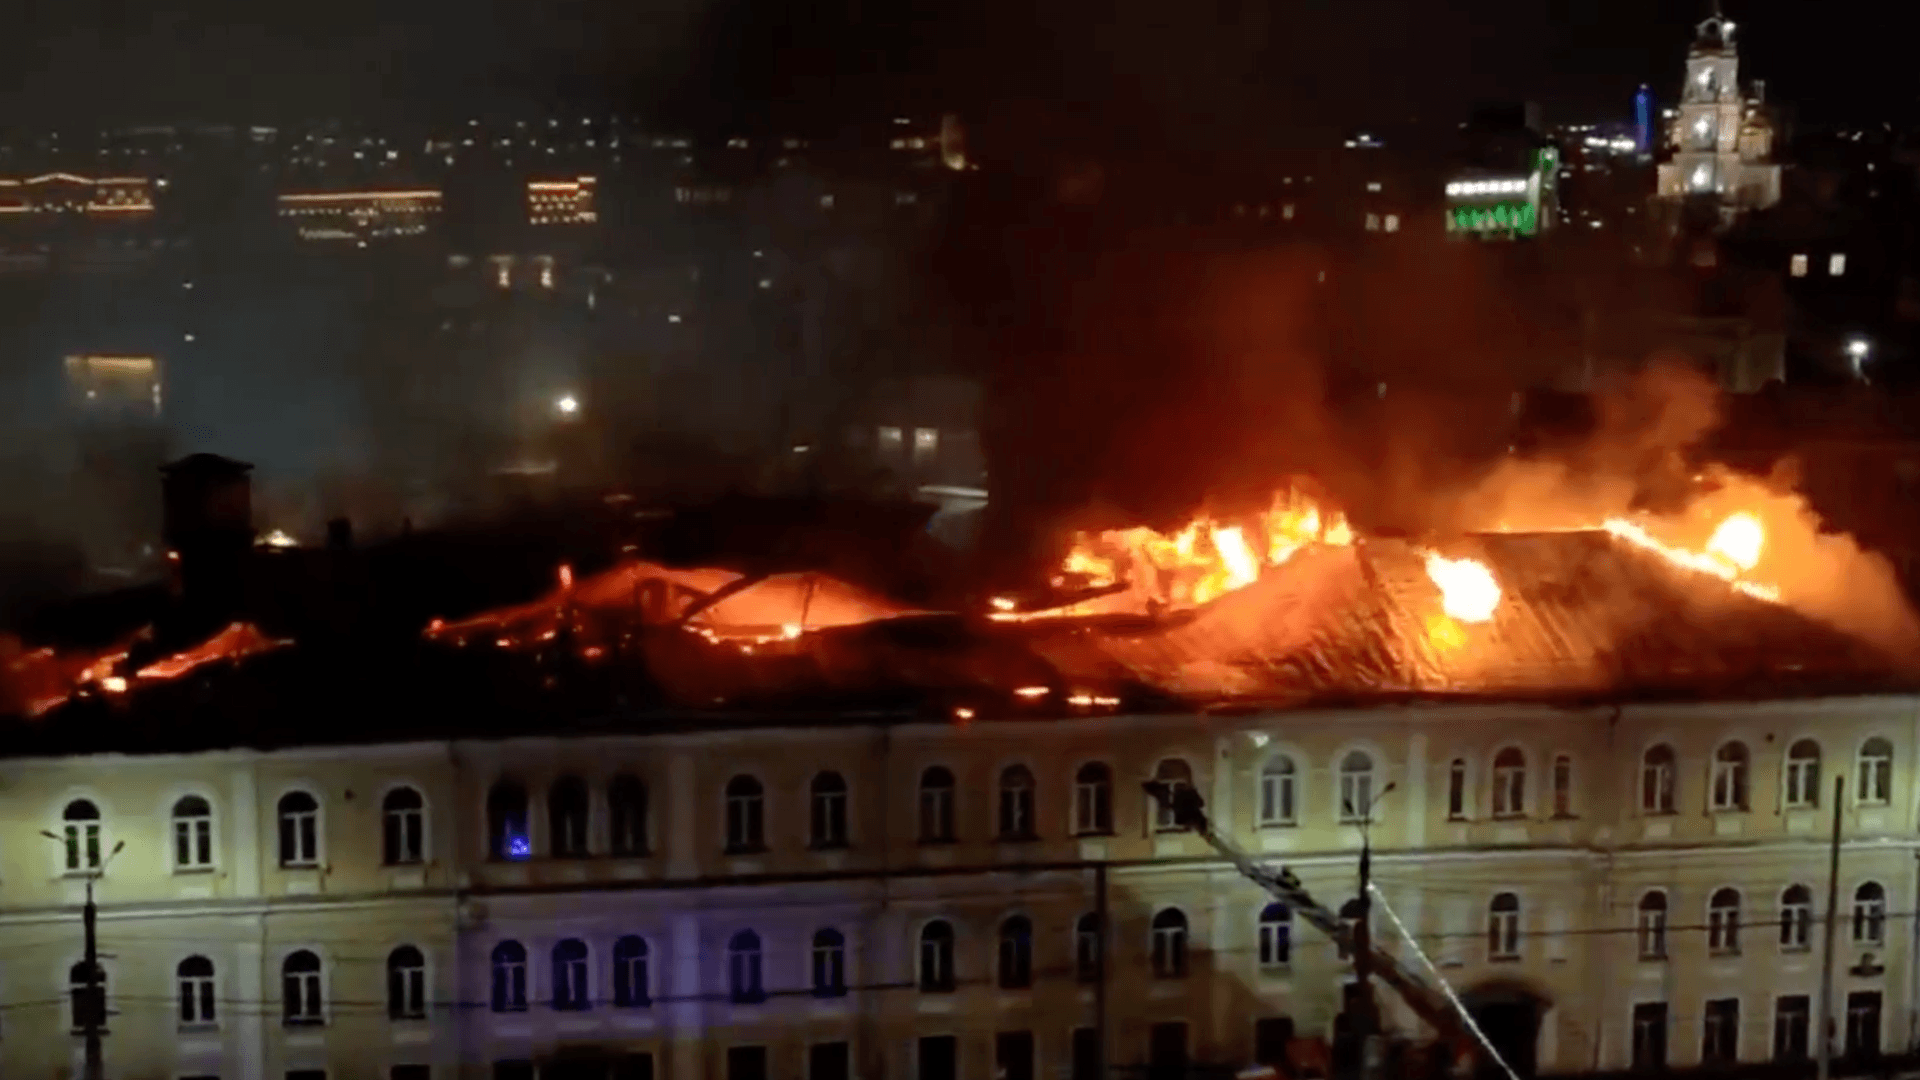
[1015,816]
[1719,1030]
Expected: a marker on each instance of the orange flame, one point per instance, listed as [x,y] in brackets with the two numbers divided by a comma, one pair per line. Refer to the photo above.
[1734,547]
[1468,592]
[1206,558]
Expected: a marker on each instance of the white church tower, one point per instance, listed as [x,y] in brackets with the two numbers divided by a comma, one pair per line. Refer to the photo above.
[1721,141]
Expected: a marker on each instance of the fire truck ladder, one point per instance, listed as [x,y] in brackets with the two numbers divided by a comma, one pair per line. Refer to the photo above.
[1439,1008]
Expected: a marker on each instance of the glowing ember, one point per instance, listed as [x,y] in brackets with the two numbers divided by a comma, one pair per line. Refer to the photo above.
[1031,692]
[1001,603]
[1205,558]
[114,684]
[566,576]
[1722,566]
[1738,540]
[1467,589]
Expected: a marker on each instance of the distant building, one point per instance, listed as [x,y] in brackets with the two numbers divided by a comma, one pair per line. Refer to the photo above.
[114,386]
[360,215]
[562,202]
[1721,138]
[1507,183]
[70,193]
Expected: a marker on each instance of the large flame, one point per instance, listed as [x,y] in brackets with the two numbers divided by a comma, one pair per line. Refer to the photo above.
[1468,591]
[1204,559]
[1734,547]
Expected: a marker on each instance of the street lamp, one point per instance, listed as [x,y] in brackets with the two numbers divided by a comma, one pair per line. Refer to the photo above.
[566,405]
[1858,349]
[94,1000]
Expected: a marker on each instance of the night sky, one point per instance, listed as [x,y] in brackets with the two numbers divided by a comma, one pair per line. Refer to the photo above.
[1180,73]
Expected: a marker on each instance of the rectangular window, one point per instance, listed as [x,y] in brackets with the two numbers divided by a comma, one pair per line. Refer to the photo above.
[193,843]
[1271,1036]
[1167,1051]
[1863,1025]
[746,1063]
[1837,264]
[1797,266]
[632,1067]
[1720,1032]
[1649,1036]
[829,1061]
[1086,1063]
[938,1058]
[1013,1055]
[1791,1019]
[1562,786]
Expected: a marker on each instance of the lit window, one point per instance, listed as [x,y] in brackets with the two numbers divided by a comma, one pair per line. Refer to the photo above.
[892,439]
[1286,211]
[826,202]
[1797,266]
[1373,185]
[1393,223]
[1837,264]
[926,441]
[507,836]
[1373,222]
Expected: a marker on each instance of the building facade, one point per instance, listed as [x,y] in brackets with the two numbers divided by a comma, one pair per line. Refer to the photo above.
[1606,887]
[1722,141]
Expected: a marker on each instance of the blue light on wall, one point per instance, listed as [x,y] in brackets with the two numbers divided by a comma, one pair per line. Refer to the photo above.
[519,847]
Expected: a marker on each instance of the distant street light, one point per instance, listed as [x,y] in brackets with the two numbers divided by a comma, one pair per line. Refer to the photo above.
[567,405]
[1858,349]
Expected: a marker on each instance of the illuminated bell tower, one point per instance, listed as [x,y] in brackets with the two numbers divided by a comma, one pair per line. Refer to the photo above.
[1720,140]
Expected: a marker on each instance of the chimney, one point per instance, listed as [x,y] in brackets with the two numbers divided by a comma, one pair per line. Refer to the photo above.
[207,501]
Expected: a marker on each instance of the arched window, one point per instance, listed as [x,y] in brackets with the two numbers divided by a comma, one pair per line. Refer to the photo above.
[567,818]
[570,993]
[1656,780]
[1093,800]
[192,834]
[1876,772]
[1175,775]
[509,977]
[746,815]
[89,1001]
[1653,926]
[627,816]
[1509,783]
[406,984]
[1729,788]
[1503,927]
[1170,944]
[936,957]
[1087,950]
[403,838]
[1796,918]
[1016,803]
[829,805]
[300,1000]
[507,835]
[1016,953]
[1457,790]
[299,829]
[1356,787]
[829,963]
[744,985]
[195,978]
[1803,774]
[936,806]
[631,988]
[1562,785]
[1723,921]
[1276,936]
[1870,914]
[80,828]
[1278,792]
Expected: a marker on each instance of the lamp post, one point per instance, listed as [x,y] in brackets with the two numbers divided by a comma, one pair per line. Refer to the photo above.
[1367,1014]
[1859,349]
[94,999]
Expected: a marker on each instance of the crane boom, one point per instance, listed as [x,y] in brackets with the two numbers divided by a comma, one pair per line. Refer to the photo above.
[1429,1004]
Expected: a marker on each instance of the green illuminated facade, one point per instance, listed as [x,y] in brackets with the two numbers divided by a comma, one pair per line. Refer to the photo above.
[1504,213]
